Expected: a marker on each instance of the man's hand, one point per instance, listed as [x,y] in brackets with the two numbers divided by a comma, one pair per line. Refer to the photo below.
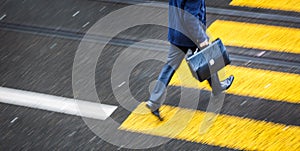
[204,43]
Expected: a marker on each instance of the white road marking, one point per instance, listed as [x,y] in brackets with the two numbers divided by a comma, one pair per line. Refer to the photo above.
[12,121]
[56,103]
[243,103]
[2,17]
[51,47]
[102,8]
[85,24]
[121,84]
[75,13]
[261,53]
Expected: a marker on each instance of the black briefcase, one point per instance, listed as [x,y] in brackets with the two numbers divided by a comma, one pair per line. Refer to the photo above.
[209,60]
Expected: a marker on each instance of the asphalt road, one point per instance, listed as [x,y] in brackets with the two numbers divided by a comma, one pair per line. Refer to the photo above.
[40,61]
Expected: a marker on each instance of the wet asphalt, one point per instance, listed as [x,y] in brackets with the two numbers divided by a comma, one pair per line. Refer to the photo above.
[37,61]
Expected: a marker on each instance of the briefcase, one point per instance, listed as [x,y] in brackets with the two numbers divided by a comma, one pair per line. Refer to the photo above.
[209,60]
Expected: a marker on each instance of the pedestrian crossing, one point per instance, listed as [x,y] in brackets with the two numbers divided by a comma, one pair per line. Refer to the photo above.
[258,83]
[257,36]
[227,130]
[286,5]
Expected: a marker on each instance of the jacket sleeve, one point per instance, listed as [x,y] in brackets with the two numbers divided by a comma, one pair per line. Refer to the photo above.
[195,28]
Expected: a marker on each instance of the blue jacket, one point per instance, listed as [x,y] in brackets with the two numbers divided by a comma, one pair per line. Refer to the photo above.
[191,26]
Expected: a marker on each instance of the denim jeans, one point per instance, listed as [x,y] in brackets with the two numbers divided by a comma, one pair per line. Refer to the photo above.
[175,56]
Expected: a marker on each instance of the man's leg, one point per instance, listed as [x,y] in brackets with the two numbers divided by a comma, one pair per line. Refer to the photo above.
[175,57]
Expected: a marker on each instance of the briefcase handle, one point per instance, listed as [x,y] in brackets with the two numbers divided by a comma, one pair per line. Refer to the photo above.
[199,49]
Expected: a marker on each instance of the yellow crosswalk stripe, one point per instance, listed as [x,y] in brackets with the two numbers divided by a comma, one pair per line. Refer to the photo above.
[286,5]
[258,36]
[226,131]
[266,84]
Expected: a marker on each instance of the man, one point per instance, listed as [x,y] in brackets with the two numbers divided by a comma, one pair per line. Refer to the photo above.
[187,21]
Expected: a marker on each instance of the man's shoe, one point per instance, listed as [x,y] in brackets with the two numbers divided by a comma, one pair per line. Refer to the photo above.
[156,113]
[154,109]
[227,83]
[217,86]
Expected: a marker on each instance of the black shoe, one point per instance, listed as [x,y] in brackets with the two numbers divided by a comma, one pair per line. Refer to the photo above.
[217,86]
[227,83]
[150,105]
[156,113]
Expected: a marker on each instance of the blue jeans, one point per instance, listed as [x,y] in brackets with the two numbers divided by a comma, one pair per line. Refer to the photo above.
[175,56]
